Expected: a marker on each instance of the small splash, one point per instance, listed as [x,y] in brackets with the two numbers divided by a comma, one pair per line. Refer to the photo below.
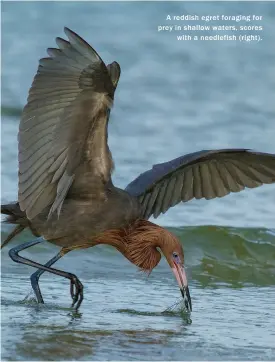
[29,299]
[75,315]
[178,308]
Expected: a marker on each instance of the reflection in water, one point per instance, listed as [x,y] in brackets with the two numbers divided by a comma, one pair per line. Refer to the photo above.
[59,343]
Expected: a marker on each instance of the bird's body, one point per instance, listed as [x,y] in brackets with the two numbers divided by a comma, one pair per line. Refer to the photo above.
[66,194]
[87,218]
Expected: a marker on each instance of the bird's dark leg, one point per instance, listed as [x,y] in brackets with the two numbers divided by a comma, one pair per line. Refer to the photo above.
[36,275]
[77,295]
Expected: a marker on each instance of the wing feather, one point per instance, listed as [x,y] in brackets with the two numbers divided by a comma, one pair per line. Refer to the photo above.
[32,187]
[206,180]
[197,182]
[34,203]
[205,174]
[36,171]
[159,200]
[153,197]
[169,194]
[37,128]
[35,158]
[63,186]
[70,98]
[245,178]
[145,201]
[266,171]
[176,198]
[187,188]
[231,183]
[217,180]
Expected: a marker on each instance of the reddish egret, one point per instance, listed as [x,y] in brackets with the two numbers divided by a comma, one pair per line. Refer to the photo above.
[66,195]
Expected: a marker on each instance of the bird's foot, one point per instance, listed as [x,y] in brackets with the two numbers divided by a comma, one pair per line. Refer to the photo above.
[76,292]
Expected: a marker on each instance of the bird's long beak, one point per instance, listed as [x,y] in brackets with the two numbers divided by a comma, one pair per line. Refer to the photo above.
[180,275]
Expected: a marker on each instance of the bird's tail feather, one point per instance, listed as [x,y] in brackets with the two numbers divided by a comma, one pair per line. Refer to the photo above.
[14,216]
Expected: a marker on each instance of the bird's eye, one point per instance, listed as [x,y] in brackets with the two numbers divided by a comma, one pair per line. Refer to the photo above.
[175,255]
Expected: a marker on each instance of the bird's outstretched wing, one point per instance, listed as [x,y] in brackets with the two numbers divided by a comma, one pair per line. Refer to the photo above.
[205,174]
[68,109]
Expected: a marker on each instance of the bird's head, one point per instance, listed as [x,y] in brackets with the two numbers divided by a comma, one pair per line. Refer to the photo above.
[173,252]
[143,246]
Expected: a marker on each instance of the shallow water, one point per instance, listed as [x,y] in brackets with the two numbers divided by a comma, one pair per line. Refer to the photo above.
[231,273]
[173,98]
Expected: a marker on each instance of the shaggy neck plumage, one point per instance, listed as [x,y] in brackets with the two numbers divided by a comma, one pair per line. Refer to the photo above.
[138,242]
